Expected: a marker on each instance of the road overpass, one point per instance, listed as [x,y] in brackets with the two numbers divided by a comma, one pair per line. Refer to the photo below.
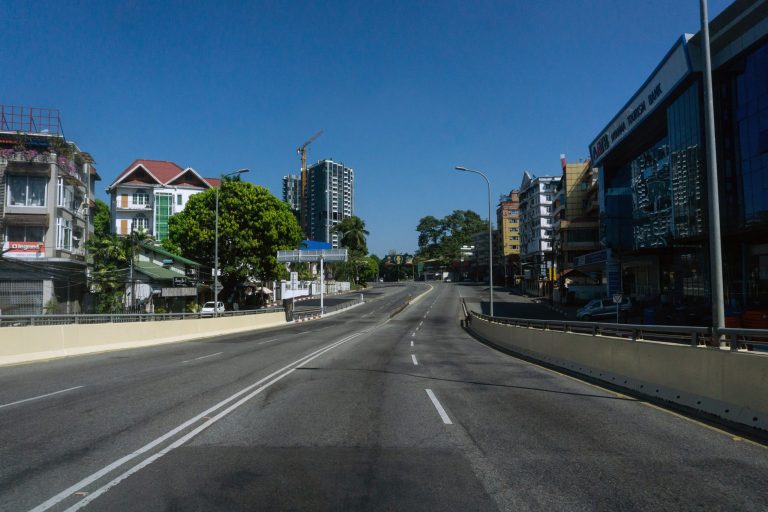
[358,411]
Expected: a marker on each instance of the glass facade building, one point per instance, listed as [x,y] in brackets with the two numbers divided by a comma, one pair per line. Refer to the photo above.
[651,160]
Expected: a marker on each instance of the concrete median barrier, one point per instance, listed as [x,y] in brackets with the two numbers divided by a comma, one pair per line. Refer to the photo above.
[727,384]
[34,343]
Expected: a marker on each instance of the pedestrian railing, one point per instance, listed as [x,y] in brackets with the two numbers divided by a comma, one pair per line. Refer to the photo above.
[735,339]
[33,320]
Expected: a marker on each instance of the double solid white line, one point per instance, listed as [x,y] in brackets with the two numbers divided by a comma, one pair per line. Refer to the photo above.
[249,392]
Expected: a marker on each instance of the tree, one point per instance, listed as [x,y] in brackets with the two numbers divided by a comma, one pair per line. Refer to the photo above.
[253,226]
[442,239]
[110,267]
[353,233]
[101,219]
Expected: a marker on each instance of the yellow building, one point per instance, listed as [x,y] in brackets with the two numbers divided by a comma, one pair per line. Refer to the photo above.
[508,236]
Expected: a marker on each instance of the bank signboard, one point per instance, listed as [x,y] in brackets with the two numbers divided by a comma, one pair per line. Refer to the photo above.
[662,82]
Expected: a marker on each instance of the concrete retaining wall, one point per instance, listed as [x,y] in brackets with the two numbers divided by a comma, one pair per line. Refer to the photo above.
[24,344]
[731,385]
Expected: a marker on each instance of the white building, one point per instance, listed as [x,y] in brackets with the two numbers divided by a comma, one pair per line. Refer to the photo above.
[537,195]
[148,192]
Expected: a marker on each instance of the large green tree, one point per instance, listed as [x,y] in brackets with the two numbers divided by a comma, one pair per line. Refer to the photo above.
[442,239]
[253,226]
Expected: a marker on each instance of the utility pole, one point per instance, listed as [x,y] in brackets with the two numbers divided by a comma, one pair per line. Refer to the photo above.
[715,250]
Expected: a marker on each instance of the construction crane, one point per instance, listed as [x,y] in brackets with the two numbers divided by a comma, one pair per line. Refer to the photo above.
[302,150]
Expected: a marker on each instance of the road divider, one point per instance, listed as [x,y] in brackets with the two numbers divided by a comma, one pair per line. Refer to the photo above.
[725,383]
[35,343]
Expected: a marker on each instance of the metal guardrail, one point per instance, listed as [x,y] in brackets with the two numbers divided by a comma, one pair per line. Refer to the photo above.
[34,320]
[737,339]
[308,313]
[386,284]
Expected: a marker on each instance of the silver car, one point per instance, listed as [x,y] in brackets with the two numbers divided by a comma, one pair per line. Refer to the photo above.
[603,308]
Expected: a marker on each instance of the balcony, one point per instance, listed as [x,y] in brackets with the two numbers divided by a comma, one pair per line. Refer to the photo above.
[134,207]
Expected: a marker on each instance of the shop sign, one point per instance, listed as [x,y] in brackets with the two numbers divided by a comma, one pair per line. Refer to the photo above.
[25,247]
[672,70]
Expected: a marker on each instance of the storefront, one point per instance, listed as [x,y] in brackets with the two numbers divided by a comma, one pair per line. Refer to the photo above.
[651,160]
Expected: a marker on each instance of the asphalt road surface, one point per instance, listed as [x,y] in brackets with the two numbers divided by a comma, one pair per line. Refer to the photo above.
[353,412]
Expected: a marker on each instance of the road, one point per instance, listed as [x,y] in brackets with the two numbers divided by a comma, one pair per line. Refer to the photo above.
[353,412]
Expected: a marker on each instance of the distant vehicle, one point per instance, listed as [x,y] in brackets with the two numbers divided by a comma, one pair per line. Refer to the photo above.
[209,308]
[447,279]
[603,308]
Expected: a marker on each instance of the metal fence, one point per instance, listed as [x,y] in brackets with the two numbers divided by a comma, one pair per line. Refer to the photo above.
[316,312]
[736,339]
[30,320]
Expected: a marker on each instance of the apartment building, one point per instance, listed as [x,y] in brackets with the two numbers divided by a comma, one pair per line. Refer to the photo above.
[508,229]
[537,230]
[46,191]
[330,191]
[148,192]
[292,191]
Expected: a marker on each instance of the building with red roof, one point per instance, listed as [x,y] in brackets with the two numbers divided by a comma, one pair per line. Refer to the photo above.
[148,192]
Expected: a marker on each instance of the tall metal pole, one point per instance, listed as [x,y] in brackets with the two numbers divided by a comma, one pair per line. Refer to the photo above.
[490,234]
[715,250]
[216,256]
[216,244]
[322,286]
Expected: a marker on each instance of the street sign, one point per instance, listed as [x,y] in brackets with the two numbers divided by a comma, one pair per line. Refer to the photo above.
[328,255]
[179,281]
[219,287]
[617,298]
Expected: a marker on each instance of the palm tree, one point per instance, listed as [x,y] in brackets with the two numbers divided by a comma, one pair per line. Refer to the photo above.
[353,233]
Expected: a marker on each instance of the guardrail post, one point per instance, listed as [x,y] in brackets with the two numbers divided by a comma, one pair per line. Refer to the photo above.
[695,339]
[31,320]
[594,329]
[734,342]
[634,334]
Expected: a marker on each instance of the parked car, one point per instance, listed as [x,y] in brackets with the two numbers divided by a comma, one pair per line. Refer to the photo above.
[209,308]
[603,308]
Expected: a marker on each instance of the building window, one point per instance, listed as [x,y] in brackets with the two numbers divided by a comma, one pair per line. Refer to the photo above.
[25,234]
[65,195]
[63,233]
[140,223]
[178,199]
[26,190]
[140,197]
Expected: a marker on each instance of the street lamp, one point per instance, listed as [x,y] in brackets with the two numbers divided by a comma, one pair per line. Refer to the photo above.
[490,231]
[216,243]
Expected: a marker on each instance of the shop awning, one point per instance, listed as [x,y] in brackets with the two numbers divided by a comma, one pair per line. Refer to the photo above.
[156,272]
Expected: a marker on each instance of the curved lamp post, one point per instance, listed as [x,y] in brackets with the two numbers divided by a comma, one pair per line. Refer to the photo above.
[216,243]
[490,233]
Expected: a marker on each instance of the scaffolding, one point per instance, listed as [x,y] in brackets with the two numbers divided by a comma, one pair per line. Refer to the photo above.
[30,120]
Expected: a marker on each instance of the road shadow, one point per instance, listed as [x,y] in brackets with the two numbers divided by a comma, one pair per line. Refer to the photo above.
[473,382]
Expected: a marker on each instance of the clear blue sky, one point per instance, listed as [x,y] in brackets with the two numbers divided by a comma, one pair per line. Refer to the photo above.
[404,90]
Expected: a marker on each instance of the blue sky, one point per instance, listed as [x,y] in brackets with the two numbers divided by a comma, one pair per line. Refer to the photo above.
[404,90]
